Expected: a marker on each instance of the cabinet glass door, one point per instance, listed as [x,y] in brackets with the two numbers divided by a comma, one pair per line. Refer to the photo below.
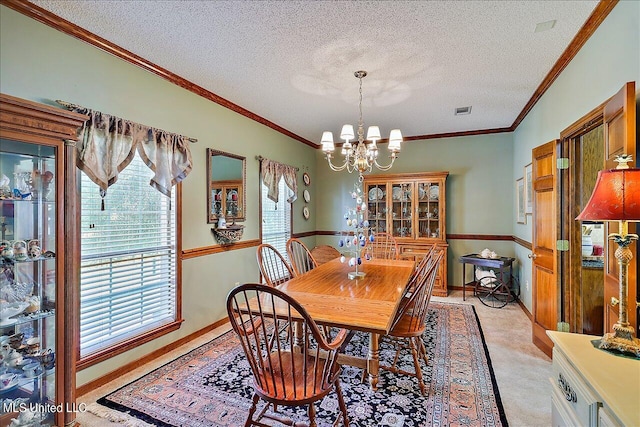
[232,197]
[28,279]
[216,200]
[377,207]
[401,209]
[428,210]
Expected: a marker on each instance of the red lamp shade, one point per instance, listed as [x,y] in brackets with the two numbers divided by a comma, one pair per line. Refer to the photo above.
[616,197]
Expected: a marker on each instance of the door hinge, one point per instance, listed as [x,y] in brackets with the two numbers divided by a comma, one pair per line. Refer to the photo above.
[562,245]
[563,163]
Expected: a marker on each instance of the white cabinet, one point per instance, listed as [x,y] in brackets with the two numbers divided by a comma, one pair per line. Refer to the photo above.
[592,387]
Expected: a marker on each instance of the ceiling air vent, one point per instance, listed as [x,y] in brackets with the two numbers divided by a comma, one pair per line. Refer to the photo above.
[544,26]
[461,111]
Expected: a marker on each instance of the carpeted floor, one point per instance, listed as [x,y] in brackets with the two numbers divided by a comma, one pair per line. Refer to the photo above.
[211,385]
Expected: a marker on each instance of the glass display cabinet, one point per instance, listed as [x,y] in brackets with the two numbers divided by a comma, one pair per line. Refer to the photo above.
[412,208]
[37,253]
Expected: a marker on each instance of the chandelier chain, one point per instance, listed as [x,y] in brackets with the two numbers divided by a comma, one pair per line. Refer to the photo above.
[360,122]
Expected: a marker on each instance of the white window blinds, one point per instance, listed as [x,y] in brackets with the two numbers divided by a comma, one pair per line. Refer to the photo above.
[128,263]
[276,219]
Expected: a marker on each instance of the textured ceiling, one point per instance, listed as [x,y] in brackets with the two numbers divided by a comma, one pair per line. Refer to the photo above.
[292,62]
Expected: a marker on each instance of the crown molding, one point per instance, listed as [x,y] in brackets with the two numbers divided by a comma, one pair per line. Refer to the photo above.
[590,26]
[44,16]
[29,9]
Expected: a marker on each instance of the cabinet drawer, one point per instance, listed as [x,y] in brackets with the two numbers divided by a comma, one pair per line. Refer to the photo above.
[569,387]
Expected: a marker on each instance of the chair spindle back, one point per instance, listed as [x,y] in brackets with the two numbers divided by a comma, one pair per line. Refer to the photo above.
[300,257]
[273,266]
[384,246]
[414,306]
[291,365]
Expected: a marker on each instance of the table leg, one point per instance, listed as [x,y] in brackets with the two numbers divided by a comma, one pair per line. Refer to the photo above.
[463,283]
[373,360]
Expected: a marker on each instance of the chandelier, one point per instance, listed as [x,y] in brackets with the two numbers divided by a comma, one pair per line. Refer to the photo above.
[360,156]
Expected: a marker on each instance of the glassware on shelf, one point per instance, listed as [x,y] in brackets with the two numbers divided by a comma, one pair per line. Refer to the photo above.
[11,309]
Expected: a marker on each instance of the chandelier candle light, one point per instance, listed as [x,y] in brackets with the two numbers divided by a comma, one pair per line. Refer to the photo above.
[616,197]
[360,156]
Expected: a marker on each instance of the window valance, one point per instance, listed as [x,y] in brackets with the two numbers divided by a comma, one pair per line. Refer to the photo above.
[107,144]
[272,171]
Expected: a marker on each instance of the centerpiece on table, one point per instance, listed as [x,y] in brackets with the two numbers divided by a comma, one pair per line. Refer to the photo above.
[355,239]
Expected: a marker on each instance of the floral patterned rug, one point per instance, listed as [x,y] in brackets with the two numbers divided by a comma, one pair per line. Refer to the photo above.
[211,385]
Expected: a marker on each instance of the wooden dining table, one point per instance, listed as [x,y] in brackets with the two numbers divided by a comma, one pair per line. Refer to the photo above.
[366,304]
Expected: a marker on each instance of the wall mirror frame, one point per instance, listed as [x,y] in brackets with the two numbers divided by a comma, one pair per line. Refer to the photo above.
[226,185]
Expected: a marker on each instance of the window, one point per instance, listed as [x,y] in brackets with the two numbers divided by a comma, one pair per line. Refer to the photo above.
[276,219]
[128,273]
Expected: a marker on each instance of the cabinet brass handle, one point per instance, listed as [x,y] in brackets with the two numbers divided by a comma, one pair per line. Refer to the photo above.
[614,301]
[532,256]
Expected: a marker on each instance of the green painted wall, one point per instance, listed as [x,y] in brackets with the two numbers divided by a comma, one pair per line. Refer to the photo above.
[41,64]
[609,59]
[479,190]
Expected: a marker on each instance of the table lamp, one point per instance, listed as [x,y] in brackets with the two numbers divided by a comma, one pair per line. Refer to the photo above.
[616,197]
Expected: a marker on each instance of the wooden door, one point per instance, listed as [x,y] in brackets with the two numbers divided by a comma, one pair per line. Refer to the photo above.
[544,269]
[620,138]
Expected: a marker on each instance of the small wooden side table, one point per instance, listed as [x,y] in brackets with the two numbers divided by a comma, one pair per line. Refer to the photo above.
[498,295]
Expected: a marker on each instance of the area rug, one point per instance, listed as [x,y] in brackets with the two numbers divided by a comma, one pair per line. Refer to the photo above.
[211,385]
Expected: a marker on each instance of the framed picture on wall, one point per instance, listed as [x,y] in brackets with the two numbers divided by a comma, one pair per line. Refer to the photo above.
[520,201]
[528,189]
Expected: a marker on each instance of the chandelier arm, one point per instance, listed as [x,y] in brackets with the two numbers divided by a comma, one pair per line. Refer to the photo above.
[387,167]
[337,168]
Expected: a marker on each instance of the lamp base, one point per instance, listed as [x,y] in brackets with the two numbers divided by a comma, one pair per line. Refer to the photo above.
[356,275]
[621,340]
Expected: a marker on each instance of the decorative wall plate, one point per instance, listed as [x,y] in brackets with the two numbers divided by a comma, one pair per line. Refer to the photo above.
[306,179]
[305,212]
[306,195]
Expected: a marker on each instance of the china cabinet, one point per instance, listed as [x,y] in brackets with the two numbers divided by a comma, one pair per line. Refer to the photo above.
[37,263]
[226,197]
[412,208]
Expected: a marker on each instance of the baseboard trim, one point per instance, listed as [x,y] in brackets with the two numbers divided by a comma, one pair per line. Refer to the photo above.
[99,382]
[526,311]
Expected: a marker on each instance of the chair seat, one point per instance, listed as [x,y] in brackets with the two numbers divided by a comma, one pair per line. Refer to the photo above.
[282,366]
[408,326]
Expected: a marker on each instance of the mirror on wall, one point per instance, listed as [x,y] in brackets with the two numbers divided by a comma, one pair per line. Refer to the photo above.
[225,186]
